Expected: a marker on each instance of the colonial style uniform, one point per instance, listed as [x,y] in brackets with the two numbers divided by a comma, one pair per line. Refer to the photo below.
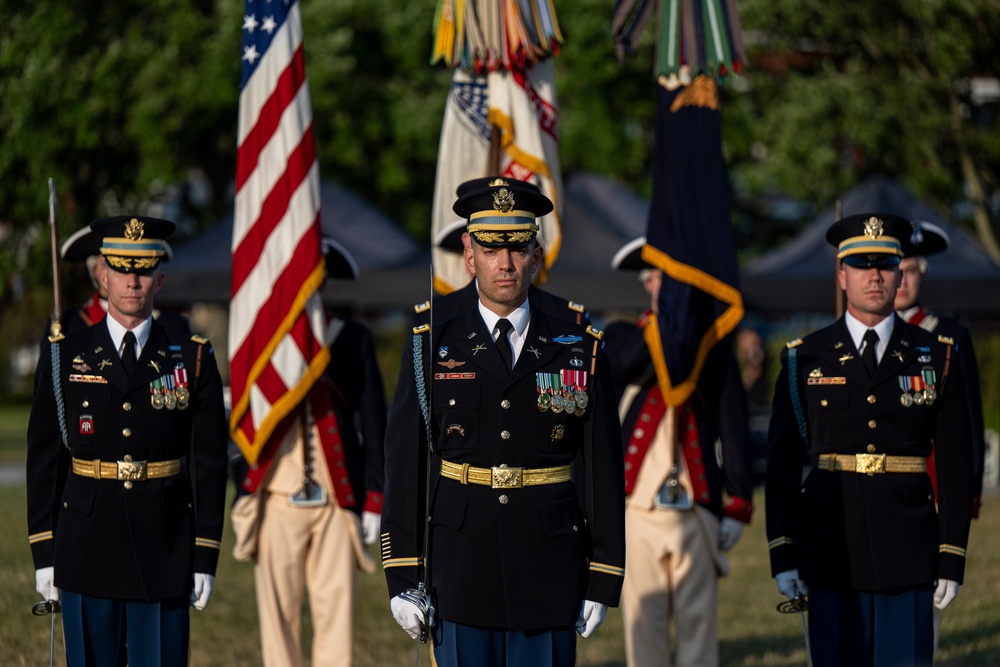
[511,547]
[679,491]
[126,482]
[849,501]
[313,484]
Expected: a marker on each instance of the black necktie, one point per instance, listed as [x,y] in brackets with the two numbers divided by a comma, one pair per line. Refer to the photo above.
[503,344]
[868,355]
[128,352]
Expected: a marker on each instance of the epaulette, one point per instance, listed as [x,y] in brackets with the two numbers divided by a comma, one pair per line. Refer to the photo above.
[596,333]
[946,340]
[578,307]
[793,343]
[422,307]
[56,338]
[422,328]
[200,340]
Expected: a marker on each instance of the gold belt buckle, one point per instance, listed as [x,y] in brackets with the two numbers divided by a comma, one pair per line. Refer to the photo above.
[507,478]
[131,471]
[870,464]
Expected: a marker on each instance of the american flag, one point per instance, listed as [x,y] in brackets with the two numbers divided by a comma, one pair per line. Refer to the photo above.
[276,318]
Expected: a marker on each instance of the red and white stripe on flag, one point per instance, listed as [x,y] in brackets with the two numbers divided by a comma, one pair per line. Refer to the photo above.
[276,317]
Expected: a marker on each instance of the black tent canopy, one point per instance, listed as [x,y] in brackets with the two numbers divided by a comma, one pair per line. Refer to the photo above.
[394,268]
[800,275]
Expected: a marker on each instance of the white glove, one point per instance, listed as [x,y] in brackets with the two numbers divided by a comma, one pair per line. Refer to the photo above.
[730,531]
[45,583]
[591,617]
[790,585]
[408,616]
[945,593]
[203,585]
[370,524]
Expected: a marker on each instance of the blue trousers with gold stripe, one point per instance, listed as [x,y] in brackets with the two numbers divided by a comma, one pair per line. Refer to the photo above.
[457,645]
[858,628]
[103,632]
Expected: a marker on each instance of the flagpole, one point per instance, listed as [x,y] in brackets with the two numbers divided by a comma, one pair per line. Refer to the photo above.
[838,293]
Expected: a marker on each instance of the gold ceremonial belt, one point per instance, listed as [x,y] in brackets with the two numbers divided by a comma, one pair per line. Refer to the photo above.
[127,470]
[872,464]
[503,477]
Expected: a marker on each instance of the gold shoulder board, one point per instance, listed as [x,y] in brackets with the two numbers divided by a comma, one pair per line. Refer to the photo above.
[572,305]
[596,333]
[422,328]
[422,307]
[200,340]
[793,343]
[946,340]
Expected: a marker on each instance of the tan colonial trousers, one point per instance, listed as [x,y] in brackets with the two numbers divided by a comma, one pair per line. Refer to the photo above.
[672,565]
[314,549]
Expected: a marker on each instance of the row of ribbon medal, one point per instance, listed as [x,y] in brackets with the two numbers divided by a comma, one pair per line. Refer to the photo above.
[562,391]
[170,391]
[918,389]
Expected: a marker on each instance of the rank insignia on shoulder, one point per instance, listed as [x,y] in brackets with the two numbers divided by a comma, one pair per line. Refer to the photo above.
[567,340]
[793,343]
[423,328]
[815,373]
[578,307]
[596,333]
[422,307]
[946,340]
[199,340]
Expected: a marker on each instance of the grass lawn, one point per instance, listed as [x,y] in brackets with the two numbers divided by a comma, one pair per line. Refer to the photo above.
[752,633]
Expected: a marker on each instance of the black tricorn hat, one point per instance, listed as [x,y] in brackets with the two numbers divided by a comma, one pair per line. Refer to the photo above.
[501,211]
[132,243]
[927,239]
[869,239]
[339,262]
[629,256]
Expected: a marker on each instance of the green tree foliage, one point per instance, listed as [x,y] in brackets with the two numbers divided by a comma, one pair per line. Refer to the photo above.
[838,91]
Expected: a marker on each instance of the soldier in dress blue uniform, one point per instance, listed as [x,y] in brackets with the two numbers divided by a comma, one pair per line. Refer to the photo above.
[851,518]
[126,467]
[515,562]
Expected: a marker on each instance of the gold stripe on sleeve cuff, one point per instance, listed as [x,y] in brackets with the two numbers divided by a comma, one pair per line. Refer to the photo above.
[607,569]
[207,543]
[402,562]
[953,550]
[40,537]
[778,542]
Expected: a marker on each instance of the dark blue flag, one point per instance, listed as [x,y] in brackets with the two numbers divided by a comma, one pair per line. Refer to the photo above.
[689,238]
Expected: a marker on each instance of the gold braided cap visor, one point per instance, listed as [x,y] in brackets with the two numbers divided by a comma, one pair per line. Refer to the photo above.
[864,245]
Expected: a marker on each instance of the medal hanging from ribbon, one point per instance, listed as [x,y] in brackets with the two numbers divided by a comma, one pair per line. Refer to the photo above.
[575,383]
[930,379]
[181,384]
[156,394]
[543,382]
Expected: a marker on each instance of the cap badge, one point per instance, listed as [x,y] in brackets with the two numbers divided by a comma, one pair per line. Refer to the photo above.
[873,228]
[503,200]
[134,230]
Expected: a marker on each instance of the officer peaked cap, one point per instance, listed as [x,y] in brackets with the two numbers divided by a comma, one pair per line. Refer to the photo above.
[132,243]
[869,239]
[501,211]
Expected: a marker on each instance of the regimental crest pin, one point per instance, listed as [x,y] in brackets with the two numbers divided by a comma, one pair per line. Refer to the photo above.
[443,351]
